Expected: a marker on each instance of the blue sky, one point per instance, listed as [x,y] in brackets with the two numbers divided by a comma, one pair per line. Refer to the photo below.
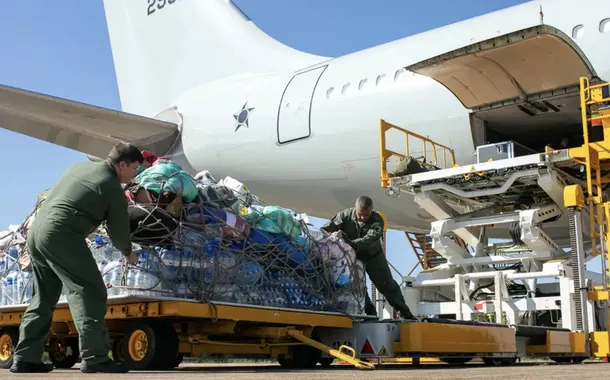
[61,48]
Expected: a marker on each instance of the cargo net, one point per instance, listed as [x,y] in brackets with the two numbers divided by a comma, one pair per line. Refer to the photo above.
[218,244]
[225,245]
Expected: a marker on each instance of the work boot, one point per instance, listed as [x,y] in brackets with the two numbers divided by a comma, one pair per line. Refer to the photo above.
[108,366]
[29,367]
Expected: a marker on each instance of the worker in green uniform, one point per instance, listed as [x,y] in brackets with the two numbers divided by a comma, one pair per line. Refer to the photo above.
[362,228]
[87,194]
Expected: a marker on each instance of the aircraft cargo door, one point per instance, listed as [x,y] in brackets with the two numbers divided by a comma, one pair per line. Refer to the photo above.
[293,121]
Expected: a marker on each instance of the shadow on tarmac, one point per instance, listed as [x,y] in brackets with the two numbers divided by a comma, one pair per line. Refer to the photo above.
[212,369]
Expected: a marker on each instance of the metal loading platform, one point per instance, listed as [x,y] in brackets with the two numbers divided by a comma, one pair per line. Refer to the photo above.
[156,334]
[549,213]
[456,342]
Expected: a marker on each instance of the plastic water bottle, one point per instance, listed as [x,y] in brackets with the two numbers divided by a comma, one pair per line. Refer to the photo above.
[28,281]
[18,288]
[226,265]
[110,253]
[249,273]
[9,288]
[13,252]
[113,277]
[193,265]
[192,238]
[171,259]
[209,267]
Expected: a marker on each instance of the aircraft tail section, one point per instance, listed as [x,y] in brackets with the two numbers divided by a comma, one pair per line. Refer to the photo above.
[163,47]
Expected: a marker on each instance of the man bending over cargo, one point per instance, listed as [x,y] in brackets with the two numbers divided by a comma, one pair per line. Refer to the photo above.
[362,228]
[87,194]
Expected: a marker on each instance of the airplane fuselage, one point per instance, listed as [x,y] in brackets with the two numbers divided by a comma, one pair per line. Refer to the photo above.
[309,139]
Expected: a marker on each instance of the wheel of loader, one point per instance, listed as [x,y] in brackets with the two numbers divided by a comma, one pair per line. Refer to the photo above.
[456,360]
[300,357]
[8,341]
[568,359]
[149,346]
[138,346]
[499,361]
[64,352]
[167,353]
[326,362]
[117,350]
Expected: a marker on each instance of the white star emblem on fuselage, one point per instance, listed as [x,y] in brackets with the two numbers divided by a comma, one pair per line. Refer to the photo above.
[243,117]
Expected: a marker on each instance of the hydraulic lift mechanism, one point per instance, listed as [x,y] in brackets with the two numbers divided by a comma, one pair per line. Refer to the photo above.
[531,282]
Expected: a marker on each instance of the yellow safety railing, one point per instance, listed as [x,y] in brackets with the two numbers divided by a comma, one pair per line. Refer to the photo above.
[426,143]
[595,156]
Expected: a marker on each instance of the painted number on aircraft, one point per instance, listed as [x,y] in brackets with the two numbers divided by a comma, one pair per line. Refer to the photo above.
[153,5]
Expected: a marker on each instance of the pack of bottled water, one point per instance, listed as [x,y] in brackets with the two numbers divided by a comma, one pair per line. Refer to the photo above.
[16,284]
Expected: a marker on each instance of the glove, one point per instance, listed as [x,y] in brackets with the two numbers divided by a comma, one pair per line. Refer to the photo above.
[339,234]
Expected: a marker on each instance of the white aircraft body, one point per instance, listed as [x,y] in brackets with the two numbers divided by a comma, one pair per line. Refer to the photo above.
[201,84]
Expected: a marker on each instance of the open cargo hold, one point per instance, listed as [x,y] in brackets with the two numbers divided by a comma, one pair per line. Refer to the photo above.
[209,241]
[512,90]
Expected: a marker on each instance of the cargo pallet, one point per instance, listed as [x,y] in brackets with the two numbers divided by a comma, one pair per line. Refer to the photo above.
[157,334]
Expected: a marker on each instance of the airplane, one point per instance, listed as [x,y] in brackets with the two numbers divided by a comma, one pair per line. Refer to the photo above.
[201,84]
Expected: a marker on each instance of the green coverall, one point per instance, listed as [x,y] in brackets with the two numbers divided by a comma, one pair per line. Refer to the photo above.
[366,241]
[85,195]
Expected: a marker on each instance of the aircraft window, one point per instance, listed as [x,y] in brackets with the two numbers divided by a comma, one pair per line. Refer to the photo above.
[578,31]
[604,25]
[398,74]
[345,89]
[329,92]
[380,79]
[363,84]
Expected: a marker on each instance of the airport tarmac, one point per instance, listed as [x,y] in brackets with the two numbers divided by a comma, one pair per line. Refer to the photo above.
[404,372]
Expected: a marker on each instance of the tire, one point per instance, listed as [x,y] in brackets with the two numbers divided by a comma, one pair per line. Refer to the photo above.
[568,359]
[456,360]
[139,346]
[64,353]
[167,352]
[499,361]
[118,350]
[326,362]
[9,338]
[301,357]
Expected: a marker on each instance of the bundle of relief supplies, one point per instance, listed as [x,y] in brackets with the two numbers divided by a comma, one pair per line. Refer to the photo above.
[212,241]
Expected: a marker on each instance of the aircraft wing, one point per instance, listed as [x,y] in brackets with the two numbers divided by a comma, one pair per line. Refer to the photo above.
[85,128]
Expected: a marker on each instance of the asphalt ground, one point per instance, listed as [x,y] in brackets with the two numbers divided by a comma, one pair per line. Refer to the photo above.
[521,371]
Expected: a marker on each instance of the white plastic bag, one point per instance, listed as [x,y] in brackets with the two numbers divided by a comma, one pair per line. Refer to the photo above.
[205,177]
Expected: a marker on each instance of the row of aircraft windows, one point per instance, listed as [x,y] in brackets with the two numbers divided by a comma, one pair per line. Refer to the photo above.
[579,30]
[364,84]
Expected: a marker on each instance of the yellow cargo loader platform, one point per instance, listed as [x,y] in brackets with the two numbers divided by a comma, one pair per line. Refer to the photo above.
[157,334]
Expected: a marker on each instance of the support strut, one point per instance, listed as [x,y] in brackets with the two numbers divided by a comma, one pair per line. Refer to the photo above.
[574,201]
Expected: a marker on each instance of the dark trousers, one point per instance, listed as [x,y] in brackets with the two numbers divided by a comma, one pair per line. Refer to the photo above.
[378,269]
[60,257]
